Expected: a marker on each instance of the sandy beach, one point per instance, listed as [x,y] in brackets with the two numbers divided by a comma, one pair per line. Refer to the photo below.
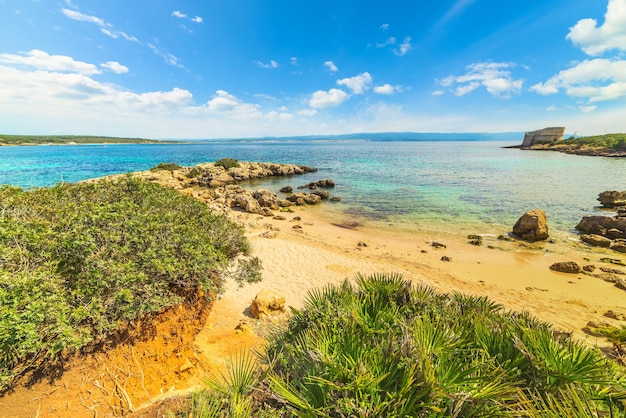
[512,273]
[312,247]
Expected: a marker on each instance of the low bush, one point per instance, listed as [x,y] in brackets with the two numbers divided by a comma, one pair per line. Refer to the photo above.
[76,261]
[166,167]
[227,163]
[380,347]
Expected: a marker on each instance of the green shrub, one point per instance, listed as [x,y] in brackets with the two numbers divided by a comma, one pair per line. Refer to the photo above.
[194,172]
[381,347]
[166,167]
[79,260]
[227,163]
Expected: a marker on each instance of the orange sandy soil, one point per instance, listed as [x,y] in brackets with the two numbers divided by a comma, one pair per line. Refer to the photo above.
[176,351]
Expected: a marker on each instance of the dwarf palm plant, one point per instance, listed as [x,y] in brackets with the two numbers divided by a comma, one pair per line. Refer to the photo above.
[380,347]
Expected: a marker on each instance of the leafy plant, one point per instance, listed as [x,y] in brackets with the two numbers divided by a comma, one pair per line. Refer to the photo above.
[227,163]
[166,167]
[77,261]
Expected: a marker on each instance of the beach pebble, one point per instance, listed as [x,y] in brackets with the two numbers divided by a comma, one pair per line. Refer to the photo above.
[446,258]
[615,315]
[438,245]
[361,244]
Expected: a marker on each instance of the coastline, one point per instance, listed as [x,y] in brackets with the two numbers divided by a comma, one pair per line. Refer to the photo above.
[329,246]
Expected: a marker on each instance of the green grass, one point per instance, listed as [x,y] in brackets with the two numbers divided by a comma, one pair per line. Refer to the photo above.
[77,261]
[608,141]
[67,139]
[380,347]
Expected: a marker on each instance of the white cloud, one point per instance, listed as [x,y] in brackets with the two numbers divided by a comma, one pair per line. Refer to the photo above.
[166,56]
[225,103]
[384,26]
[271,64]
[466,88]
[437,93]
[293,60]
[587,109]
[81,17]
[178,14]
[596,80]
[41,60]
[494,76]
[551,108]
[358,84]
[114,66]
[595,40]
[384,89]
[331,66]
[404,47]
[331,98]
[307,112]
[105,28]
[197,19]
[389,41]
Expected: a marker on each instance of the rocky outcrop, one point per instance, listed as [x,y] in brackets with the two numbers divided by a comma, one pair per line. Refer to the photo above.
[210,175]
[604,231]
[543,136]
[612,198]
[266,303]
[532,226]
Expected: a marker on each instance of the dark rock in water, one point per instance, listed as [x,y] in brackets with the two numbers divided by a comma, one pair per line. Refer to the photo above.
[612,198]
[532,226]
[322,194]
[335,199]
[504,237]
[325,184]
[287,189]
[566,267]
[596,240]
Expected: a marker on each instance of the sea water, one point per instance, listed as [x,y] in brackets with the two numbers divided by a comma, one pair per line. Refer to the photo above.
[421,185]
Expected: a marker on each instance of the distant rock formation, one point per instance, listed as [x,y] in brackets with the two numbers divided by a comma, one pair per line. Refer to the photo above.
[543,136]
[612,198]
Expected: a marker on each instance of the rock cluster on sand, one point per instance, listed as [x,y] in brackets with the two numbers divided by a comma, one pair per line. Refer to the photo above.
[210,175]
[532,226]
[606,231]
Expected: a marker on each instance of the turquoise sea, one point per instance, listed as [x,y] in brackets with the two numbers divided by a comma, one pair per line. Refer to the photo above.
[475,187]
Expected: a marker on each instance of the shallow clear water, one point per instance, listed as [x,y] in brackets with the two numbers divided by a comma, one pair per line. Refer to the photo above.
[411,185]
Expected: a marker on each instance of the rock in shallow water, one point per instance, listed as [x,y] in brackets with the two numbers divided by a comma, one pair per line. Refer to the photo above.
[532,226]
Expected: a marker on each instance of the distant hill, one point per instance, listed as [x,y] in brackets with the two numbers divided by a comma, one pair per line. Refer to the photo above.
[69,140]
[396,136]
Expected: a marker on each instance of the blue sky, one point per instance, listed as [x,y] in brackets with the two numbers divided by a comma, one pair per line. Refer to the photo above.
[248,68]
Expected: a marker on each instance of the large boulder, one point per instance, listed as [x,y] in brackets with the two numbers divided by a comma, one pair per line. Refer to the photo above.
[612,198]
[267,302]
[532,226]
[599,225]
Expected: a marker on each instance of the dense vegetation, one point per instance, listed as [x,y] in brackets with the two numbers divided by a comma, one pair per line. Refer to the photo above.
[77,261]
[69,139]
[382,348]
[227,163]
[608,141]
